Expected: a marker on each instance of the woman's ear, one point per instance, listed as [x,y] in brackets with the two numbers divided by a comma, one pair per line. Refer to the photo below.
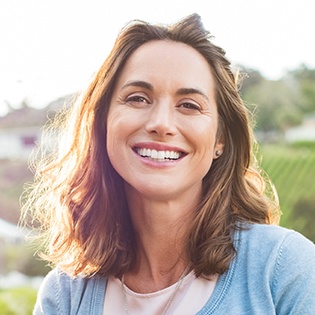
[218,150]
[219,144]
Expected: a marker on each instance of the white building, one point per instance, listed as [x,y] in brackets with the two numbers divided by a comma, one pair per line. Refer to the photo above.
[10,233]
[21,129]
[304,132]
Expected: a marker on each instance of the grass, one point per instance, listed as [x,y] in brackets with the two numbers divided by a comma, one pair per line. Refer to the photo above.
[17,301]
[292,171]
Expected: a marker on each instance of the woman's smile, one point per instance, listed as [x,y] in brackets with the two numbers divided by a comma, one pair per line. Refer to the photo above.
[157,152]
[160,156]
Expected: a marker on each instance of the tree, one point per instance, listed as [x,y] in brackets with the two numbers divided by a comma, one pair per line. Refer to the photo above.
[303,78]
[249,78]
[274,105]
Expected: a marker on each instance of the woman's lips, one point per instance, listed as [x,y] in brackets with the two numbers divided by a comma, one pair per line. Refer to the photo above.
[159,155]
[159,152]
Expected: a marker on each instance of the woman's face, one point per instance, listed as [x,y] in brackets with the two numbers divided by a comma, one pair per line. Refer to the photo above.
[163,120]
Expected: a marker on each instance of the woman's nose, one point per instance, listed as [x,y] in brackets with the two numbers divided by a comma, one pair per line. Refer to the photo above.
[161,120]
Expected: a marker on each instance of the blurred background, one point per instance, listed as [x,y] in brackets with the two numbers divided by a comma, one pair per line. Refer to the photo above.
[50,50]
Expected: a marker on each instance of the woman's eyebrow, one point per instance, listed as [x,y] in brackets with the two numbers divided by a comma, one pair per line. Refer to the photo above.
[142,84]
[181,91]
[187,91]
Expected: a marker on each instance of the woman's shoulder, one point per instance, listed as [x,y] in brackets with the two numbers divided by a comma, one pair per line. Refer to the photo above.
[273,235]
[61,293]
[61,282]
[282,251]
[275,262]
[264,245]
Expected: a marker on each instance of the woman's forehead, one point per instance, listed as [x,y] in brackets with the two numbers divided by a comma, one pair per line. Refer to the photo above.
[170,63]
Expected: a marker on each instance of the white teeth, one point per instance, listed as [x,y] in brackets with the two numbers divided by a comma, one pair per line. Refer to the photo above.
[158,155]
[154,154]
[161,155]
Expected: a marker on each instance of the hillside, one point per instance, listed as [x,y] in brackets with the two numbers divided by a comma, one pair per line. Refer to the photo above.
[292,171]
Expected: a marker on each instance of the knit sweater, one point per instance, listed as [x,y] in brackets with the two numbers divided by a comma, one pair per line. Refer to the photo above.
[272,273]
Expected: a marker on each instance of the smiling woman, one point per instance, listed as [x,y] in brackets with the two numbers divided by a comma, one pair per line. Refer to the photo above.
[163,102]
[161,208]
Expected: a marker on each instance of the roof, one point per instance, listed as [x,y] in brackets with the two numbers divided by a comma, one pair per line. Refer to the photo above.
[27,116]
[23,117]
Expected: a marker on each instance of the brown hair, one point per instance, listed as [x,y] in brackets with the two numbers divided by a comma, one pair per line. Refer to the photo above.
[78,198]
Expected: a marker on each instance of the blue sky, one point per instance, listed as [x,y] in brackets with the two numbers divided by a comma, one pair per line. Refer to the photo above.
[50,48]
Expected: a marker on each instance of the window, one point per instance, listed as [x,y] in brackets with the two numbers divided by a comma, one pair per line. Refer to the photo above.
[28,141]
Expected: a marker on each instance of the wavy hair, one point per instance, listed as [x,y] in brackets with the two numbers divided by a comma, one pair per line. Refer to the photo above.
[77,200]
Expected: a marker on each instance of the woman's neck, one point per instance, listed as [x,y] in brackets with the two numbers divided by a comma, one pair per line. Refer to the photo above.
[161,229]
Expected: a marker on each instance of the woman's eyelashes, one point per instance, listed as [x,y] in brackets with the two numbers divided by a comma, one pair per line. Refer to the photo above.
[184,106]
[189,106]
[137,100]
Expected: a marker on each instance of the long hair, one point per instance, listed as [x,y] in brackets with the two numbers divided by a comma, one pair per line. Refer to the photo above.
[78,201]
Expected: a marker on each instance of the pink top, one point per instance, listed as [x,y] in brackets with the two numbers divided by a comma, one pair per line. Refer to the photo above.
[191,296]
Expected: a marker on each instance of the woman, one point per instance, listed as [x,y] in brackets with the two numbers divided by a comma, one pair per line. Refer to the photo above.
[152,203]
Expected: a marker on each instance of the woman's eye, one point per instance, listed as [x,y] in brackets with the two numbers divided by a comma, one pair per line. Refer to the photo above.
[136,99]
[190,106]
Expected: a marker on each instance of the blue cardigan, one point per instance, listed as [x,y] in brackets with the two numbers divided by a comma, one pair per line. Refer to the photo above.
[273,273]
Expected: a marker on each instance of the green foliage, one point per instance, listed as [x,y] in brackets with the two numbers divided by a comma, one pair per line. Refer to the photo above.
[275,105]
[308,92]
[292,171]
[303,79]
[302,216]
[278,105]
[250,77]
[17,301]
[20,257]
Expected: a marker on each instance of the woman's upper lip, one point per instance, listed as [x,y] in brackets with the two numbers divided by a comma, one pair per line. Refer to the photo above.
[158,146]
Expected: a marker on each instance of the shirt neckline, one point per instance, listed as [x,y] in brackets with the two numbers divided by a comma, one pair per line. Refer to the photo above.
[156,293]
